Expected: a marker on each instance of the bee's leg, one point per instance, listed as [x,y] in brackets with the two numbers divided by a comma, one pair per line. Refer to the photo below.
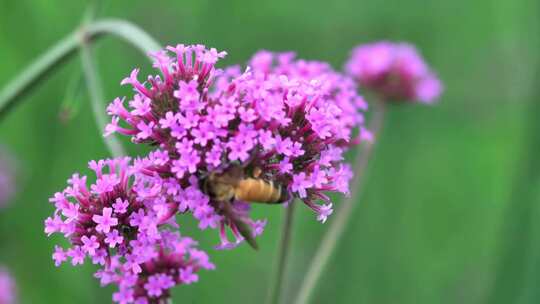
[245,231]
[243,227]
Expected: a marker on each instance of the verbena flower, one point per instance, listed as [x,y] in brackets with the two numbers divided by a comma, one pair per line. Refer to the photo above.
[124,222]
[294,125]
[7,178]
[335,87]
[8,293]
[395,71]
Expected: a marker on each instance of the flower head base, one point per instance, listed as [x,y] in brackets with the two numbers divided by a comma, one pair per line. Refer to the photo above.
[123,222]
[395,71]
[292,123]
[7,288]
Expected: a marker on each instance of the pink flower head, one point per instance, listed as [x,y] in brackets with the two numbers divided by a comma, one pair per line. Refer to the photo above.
[281,115]
[8,292]
[177,263]
[395,71]
[122,222]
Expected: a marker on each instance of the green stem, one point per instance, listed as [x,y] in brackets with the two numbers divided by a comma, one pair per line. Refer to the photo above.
[63,50]
[340,220]
[284,246]
[95,93]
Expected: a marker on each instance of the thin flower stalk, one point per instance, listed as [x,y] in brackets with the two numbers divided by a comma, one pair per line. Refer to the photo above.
[95,93]
[8,181]
[341,219]
[276,289]
[53,58]
[394,73]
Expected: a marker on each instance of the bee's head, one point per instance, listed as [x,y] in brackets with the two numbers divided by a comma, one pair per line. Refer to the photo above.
[205,183]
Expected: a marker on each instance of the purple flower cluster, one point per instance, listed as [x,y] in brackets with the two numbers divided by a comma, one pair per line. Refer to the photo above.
[125,223]
[337,88]
[8,294]
[395,71]
[292,121]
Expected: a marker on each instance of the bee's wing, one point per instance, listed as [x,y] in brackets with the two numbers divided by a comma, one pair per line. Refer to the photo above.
[232,176]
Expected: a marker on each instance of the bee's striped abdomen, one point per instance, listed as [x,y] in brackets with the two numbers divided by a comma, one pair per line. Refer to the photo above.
[258,190]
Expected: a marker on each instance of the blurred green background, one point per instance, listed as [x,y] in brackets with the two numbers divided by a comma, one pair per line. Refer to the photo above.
[450,209]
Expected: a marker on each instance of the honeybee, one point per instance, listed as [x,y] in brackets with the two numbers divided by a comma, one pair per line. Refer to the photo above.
[234,184]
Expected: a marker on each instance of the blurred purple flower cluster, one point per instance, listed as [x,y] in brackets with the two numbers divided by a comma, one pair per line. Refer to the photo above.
[125,223]
[8,290]
[395,71]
